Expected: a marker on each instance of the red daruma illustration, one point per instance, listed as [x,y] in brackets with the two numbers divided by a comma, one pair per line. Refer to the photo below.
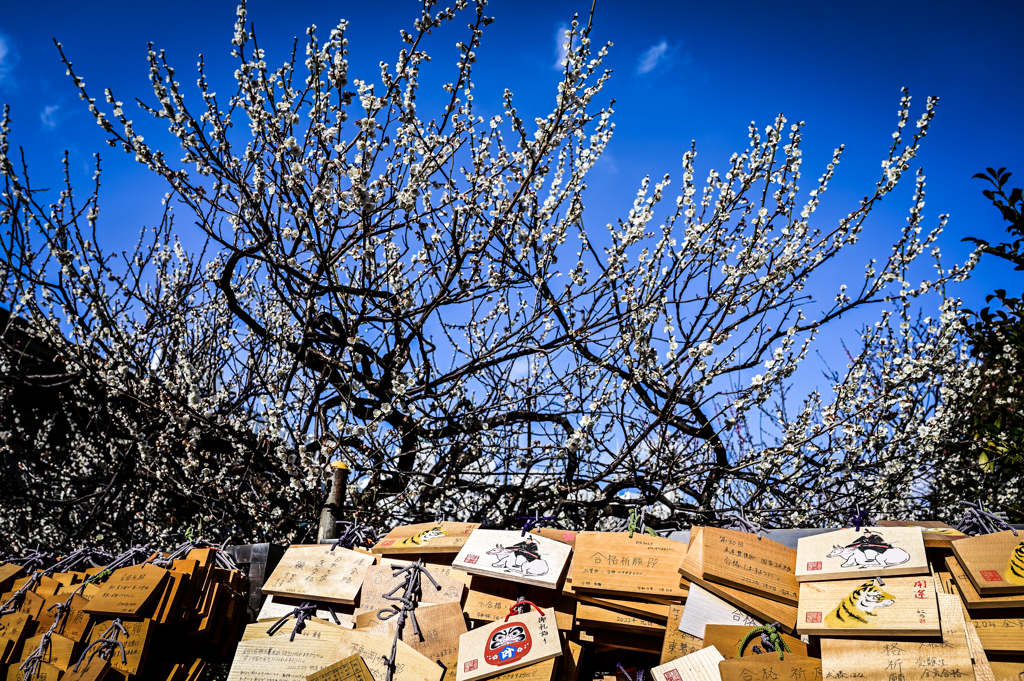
[508,643]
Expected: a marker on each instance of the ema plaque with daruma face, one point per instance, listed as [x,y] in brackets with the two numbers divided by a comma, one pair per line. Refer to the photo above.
[504,646]
[869,552]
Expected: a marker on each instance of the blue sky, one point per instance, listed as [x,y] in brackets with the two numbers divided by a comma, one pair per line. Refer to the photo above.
[683,70]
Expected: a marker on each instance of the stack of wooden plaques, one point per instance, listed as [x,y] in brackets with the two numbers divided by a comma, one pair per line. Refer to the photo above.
[168,620]
[893,602]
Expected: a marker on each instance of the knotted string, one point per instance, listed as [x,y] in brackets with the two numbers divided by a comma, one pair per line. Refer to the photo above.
[634,523]
[532,521]
[105,646]
[31,664]
[740,523]
[976,520]
[221,557]
[353,534]
[770,639]
[860,518]
[639,673]
[301,613]
[409,600]
[522,603]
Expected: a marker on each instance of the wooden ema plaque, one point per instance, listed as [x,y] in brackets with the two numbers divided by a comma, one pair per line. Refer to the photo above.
[95,669]
[612,562]
[936,534]
[129,592]
[761,607]
[374,649]
[46,672]
[380,579]
[704,608]
[1006,671]
[61,652]
[314,628]
[619,640]
[503,646]
[902,606]
[505,554]
[974,600]
[676,643]
[744,562]
[490,599]
[727,638]
[872,552]
[768,666]
[276,607]
[136,643]
[595,616]
[426,538]
[440,627]
[352,668]
[993,562]
[1000,635]
[633,606]
[278,659]
[699,666]
[317,573]
[13,626]
[903,660]
[8,574]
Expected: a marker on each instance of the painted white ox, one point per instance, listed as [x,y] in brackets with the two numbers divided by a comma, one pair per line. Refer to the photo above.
[515,559]
[855,556]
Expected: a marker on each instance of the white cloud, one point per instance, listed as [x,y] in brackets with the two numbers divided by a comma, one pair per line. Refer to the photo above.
[651,58]
[47,116]
[560,51]
[5,66]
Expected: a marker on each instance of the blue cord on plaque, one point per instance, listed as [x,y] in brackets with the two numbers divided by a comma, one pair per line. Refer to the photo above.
[534,521]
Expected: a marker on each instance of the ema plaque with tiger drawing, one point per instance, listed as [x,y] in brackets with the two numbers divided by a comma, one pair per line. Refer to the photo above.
[504,646]
[863,608]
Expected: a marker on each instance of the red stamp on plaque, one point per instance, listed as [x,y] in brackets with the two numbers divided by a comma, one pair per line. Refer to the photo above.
[814,618]
[991,576]
[387,542]
[469,666]
[471,559]
[672,675]
[816,565]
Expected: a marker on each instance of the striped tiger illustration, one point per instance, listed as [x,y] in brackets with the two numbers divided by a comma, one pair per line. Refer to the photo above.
[856,609]
[1015,573]
[424,536]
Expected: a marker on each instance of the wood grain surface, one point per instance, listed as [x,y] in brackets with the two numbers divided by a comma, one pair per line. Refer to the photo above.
[592,616]
[490,599]
[612,562]
[768,667]
[873,551]
[974,600]
[317,573]
[901,607]
[993,562]
[352,668]
[424,538]
[875,660]
[409,664]
[504,554]
[745,562]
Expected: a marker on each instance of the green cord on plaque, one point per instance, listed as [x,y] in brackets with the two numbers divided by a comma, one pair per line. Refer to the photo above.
[634,519]
[774,637]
